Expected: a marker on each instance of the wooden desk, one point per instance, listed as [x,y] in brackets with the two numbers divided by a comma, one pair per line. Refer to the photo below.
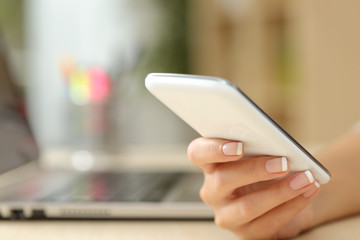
[346,229]
[108,230]
[138,230]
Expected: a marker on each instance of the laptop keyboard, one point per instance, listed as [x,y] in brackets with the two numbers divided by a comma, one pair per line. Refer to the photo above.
[120,187]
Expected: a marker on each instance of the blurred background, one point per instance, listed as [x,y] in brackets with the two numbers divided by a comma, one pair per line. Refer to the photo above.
[82,64]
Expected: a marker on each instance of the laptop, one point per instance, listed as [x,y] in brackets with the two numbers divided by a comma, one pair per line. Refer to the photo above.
[27,191]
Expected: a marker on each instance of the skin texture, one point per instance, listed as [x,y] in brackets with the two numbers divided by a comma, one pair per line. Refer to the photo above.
[255,203]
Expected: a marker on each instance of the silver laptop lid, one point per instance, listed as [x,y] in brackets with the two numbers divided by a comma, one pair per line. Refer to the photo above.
[17,144]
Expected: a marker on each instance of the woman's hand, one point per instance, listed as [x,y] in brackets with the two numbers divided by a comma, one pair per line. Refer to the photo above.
[255,198]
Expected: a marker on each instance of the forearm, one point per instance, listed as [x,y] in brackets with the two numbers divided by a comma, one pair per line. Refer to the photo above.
[341,196]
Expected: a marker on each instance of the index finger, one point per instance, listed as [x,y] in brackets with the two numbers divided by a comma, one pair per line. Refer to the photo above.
[206,153]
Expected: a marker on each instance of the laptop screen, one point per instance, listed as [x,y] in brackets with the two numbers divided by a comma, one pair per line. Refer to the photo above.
[17,145]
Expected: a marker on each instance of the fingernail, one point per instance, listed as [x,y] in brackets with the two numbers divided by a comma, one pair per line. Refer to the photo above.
[276,165]
[232,148]
[312,191]
[302,180]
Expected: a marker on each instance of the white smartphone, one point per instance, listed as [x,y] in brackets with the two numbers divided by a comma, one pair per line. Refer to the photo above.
[216,108]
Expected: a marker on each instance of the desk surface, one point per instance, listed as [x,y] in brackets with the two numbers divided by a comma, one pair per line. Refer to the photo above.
[154,230]
[157,230]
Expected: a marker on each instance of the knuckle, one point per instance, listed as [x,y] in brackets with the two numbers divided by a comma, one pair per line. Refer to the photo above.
[204,195]
[219,179]
[237,215]
[222,221]
[213,187]
[244,210]
[255,171]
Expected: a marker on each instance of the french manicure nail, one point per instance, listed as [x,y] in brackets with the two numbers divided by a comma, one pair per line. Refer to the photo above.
[276,165]
[232,148]
[302,180]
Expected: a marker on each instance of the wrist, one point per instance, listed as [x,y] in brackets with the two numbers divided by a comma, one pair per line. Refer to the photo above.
[340,197]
